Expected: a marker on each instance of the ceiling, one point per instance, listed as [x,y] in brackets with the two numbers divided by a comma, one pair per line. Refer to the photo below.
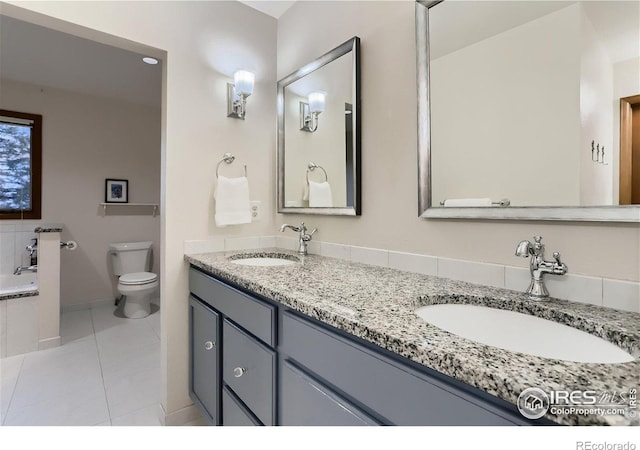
[33,54]
[272,8]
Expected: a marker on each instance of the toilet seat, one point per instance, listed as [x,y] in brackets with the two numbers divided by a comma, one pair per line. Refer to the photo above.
[138,278]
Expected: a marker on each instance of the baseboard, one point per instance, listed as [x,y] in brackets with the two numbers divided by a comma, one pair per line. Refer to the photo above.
[44,344]
[89,305]
[180,417]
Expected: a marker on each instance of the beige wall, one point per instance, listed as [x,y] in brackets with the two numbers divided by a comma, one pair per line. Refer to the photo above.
[205,42]
[87,139]
[389,174]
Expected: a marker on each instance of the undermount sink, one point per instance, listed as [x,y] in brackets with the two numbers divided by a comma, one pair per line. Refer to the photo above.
[522,333]
[264,259]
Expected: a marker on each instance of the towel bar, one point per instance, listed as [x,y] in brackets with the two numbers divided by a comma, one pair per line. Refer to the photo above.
[228,158]
[502,203]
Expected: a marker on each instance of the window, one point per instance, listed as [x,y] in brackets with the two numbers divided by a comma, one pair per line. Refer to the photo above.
[20,165]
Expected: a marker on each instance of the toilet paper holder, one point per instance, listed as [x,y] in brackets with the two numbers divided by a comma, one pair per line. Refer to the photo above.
[69,245]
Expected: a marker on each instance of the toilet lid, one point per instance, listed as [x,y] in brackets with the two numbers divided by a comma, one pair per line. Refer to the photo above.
[138,278]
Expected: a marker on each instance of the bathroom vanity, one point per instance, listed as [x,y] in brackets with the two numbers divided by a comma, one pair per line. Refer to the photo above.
[331,342]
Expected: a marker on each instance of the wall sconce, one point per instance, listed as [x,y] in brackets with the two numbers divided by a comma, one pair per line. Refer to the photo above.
[237,93]
[309,112]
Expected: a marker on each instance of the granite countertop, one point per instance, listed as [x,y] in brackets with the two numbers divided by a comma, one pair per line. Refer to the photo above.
[377,304]
[19,294]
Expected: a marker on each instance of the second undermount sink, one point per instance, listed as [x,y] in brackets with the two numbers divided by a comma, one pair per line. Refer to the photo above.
[522,333]
[264,259]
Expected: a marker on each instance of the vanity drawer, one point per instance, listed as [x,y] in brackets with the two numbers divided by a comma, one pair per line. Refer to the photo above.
[234,414]
[248,367]
[397,394]
[255,316]
[306,401]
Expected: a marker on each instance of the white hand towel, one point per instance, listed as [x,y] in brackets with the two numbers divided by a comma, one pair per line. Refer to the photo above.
[232,201]
[458,202]
[320,195]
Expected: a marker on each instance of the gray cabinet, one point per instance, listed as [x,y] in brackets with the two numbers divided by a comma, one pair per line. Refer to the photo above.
[232,376]
[244,373]
[204,352]
[307,401]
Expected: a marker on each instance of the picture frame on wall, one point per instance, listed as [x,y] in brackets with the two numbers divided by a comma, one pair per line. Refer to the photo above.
[116,191]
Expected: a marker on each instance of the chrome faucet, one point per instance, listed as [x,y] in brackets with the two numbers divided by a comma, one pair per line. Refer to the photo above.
[538,266]
[33,247]
[20,269]
[303,238]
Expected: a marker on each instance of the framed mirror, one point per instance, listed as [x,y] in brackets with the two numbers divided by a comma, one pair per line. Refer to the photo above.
[525,110]
[319,135]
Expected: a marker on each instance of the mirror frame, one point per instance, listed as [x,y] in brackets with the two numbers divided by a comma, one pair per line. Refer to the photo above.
[352,45]
[614,213]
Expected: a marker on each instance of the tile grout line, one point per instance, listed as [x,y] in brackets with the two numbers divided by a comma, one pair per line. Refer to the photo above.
[104,388]
[4,420]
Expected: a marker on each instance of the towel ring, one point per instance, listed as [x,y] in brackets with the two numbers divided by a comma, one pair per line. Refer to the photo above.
[313,166]
[228,158]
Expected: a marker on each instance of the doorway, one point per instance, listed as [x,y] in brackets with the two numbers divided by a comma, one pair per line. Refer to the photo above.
[630,150]
[102,119]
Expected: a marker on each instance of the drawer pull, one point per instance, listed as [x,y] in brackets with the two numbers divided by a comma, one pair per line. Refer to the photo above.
[209,345]
[239,371]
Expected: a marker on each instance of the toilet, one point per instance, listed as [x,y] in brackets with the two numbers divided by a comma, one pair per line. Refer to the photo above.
[131,262]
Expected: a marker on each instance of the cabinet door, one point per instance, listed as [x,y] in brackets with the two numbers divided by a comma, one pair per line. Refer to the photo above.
[234,414]
[204,380]
[307,401]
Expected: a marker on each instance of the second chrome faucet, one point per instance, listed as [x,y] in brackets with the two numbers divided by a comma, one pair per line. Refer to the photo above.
[539,267]
[303,237]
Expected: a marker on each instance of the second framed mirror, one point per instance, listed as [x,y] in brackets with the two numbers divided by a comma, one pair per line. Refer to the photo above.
[319,135]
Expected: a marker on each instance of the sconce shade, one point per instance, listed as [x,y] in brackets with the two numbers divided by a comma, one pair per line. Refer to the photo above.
[316,101]
[244,80]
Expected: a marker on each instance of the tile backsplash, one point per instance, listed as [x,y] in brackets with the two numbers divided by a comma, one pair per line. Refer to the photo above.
[618,294]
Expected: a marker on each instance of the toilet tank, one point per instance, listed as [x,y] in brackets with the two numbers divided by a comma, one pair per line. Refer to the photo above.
[129,257]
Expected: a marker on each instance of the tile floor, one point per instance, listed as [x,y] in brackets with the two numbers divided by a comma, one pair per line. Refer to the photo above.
[106,372]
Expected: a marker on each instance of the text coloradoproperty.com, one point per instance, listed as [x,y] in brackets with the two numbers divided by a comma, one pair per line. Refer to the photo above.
[586,411]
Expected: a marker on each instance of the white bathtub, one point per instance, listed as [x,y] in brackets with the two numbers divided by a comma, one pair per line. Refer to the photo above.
[13,284]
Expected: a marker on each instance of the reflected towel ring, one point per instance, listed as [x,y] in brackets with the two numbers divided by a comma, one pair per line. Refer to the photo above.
[228,158]
[313,166]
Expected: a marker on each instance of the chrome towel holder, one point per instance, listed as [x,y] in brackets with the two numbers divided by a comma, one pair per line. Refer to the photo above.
[228,158]
[313,166]
[502,203]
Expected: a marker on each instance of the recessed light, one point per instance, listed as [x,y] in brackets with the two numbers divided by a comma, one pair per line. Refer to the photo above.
[150,60]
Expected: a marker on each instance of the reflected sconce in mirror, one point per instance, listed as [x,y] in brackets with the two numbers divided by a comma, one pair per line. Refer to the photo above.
[309,112]
[237,93]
